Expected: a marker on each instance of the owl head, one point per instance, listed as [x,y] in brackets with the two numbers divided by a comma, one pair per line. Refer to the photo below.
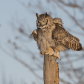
[43,20]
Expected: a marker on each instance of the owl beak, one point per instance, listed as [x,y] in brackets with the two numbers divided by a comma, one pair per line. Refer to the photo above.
[41,28]
[37,26]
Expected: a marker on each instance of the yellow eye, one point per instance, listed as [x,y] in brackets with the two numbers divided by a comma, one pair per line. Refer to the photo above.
[44,21]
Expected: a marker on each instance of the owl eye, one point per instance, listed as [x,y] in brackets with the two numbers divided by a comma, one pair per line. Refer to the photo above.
[44,21]
[38,22]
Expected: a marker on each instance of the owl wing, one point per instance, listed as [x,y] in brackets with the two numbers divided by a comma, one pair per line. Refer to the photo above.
[34,34]
[65,38]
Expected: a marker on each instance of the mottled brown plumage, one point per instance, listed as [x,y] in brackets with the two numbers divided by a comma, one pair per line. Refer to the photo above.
[51,36]
[64,38]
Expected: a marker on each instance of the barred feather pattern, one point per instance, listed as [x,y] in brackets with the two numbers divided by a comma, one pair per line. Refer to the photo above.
[72,44]
[64,38]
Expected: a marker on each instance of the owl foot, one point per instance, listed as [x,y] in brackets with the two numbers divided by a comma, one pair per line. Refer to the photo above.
[58,56]
[42,53]
[50,51]
[47,53]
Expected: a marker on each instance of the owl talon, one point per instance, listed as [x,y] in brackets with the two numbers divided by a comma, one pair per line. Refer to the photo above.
[53,55]
[57,56]
[46,53]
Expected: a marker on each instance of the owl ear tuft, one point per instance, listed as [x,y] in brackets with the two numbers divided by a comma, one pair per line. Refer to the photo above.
[37,15]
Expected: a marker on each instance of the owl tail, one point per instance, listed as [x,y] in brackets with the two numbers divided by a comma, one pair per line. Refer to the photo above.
[75,46]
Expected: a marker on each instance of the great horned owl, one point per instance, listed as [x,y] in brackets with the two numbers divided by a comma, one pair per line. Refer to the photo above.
[51,36]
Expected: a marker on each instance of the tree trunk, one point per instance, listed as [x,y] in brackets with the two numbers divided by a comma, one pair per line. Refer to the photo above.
[50,71]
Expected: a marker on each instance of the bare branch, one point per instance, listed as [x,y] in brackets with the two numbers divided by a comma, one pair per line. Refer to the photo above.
[76,74]
[23,63]
[69,15]
[70,4]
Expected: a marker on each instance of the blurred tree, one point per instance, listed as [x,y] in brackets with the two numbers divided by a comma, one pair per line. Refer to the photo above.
[71,65]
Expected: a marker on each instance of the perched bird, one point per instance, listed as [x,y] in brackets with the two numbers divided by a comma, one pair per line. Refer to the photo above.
[51,36]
